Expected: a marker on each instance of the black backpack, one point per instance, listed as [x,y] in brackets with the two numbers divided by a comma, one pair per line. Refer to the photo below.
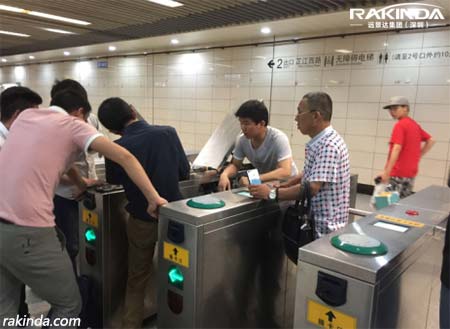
[298,223]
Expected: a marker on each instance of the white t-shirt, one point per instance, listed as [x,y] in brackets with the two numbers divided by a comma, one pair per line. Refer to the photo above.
[85,164]
[265,158]
[3,133]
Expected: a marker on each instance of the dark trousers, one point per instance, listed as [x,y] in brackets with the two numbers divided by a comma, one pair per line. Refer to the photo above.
[23,306]
[66,219]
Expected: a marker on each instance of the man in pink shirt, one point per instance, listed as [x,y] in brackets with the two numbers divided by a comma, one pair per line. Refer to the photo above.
[41,145]
[10,107]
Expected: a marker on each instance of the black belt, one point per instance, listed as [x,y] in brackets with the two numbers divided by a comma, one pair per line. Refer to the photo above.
[4,221]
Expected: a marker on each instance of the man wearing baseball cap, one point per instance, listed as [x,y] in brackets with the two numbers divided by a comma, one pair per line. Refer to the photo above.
[405,148]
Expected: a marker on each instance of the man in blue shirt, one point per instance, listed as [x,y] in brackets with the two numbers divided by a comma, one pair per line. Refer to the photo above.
[161,154]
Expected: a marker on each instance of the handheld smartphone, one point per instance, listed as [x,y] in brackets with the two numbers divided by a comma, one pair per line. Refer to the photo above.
[253,176]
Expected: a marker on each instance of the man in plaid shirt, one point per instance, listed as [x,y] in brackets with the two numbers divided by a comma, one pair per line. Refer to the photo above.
[327,166]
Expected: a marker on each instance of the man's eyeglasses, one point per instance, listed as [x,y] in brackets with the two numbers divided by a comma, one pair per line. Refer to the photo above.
[303,112]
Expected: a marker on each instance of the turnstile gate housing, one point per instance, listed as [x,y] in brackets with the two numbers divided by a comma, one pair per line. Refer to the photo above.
[104,212]
[103,259]
[389,291]
[236,274]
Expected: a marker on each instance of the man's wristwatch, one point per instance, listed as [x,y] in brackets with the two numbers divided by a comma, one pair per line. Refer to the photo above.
[273,194]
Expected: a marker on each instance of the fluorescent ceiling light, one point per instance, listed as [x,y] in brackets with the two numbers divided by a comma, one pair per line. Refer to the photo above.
[58,31]
[168,3]
[31,57]
[265,30]
[4,60]
[174,41]
[15,34]
[112,48]
[44,15]
[343,51]
[66,53]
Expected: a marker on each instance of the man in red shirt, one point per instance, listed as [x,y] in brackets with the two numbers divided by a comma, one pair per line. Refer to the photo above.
[405,148]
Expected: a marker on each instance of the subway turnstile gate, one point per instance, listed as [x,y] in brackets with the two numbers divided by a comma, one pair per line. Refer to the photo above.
[223,267]
[103,253]
[226,267]
[104,247]
[103,257]
[376,272]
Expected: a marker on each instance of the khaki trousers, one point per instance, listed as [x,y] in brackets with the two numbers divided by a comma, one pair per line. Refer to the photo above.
[142,238]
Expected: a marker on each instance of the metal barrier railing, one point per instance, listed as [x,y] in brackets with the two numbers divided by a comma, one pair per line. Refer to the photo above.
[359,212]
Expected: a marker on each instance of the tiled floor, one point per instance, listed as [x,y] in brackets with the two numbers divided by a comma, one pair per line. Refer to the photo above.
[38,307]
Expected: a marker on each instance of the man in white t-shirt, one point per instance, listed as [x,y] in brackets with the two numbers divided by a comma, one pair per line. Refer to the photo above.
[65,200]
[266,148]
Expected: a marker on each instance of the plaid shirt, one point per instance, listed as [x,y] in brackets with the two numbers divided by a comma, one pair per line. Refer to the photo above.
[327,161]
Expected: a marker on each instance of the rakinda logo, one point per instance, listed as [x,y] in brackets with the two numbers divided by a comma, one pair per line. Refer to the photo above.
[403,11]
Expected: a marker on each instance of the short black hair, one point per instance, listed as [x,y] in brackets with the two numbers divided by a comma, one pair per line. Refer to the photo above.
[254,110]
[17,99]
[71,100]
[320,102]
[68,84]
[114,113]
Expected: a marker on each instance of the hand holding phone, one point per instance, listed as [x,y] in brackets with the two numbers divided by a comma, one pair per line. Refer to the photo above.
[253,177]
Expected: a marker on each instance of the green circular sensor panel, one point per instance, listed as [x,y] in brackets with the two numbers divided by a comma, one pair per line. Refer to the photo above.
[359,244]
[205,202]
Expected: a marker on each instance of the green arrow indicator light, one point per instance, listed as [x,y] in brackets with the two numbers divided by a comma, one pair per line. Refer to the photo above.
[90,235]
[176,277]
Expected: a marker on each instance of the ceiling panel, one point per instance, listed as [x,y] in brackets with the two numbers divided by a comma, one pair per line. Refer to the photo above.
[118,20]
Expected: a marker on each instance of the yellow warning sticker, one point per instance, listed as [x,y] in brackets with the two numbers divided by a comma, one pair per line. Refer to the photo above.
[90,217]
[326,317]
[176,254]
[400,221]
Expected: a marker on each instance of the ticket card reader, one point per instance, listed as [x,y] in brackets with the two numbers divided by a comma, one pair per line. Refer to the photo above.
[375,273]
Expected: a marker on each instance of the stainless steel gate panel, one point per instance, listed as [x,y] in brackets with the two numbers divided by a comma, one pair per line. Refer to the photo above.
[365,268]
[109,273]
[199,183]
[380,291]
[360,297]
[237,274]
[424,215]
[104,260]
[434,197]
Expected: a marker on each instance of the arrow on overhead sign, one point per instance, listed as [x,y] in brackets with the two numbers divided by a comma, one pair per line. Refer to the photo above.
[271,63]
[331,316]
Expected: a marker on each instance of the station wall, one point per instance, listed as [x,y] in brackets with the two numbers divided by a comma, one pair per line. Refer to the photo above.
[194,91]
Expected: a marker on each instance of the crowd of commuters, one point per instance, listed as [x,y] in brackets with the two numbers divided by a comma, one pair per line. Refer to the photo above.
[41,183]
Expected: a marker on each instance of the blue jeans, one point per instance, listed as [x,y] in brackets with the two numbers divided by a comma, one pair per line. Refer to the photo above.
[444,312]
